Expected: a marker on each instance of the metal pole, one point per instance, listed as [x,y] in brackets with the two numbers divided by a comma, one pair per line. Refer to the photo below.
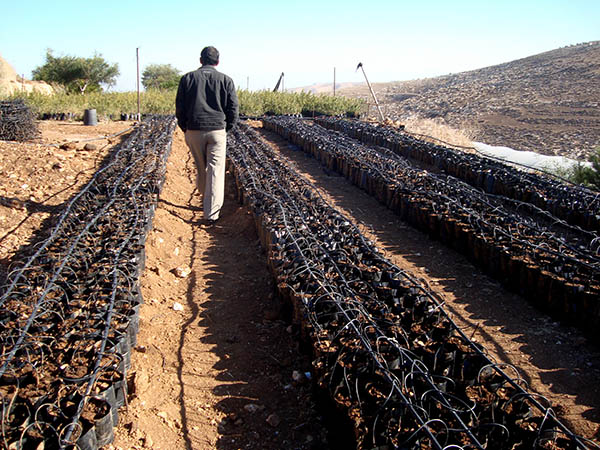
[247,83]
[334,81]
[137,59]
[372,92]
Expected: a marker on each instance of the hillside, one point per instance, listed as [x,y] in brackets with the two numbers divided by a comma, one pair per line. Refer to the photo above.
[11,83]
[547,103]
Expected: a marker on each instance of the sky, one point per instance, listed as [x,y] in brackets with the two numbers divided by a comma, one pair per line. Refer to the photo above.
[395,40]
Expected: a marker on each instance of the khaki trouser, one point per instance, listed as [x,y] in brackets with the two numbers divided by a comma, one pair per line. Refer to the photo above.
[208,149]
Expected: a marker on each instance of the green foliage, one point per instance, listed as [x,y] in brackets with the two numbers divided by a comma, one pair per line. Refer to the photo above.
[268,102]
[77,74]
[160,76]
[253,104]
[250,105]
[107,104]
[587,175]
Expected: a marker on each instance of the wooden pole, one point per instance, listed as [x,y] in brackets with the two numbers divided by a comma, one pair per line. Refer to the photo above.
[137,59]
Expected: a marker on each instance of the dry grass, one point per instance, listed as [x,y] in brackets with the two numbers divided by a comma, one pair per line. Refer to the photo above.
[431,128]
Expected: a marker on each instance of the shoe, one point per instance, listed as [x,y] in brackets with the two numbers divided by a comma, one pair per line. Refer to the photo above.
[209,223]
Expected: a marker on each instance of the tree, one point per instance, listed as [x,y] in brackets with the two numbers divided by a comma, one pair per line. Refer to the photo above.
[160,76]
[96,71]
[77,74]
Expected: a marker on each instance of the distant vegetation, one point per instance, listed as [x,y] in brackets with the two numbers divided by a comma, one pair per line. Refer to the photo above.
[75,74]
[155,101]
[267,102]
[160,76]
[72,75]
[108,105]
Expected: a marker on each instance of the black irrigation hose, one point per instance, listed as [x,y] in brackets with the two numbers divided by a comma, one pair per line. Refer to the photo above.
[355,301]
[584,254]
[67,214]
[51,284]
[382,341]
[17,121]
[533,252]
[286,204]
[494,158]
[68,315]
[439,184]
[575,204]
[483,155]
[116,275]
[385,165]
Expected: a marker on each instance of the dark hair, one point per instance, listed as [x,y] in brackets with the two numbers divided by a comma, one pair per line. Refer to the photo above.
[209,56]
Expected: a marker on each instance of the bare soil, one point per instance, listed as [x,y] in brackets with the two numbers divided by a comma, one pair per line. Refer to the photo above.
[217,365]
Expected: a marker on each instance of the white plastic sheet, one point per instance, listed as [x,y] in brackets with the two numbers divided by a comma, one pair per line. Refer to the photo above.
[527,158]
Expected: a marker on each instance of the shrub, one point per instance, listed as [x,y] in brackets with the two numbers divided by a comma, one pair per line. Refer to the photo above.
[589,175]
[153,101]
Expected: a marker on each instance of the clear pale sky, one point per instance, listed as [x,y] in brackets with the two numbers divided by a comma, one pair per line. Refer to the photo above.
[394,39]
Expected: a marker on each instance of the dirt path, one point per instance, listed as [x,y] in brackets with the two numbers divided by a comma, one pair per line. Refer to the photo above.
[219,373]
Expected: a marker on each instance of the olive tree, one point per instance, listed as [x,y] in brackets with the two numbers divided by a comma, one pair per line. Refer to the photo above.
[77,74]
[160,76]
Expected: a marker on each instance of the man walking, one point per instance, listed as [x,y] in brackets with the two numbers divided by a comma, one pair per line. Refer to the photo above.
[206,108]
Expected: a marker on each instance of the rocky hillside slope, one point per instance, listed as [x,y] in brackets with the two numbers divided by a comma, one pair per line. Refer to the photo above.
[11,83]
[548,103]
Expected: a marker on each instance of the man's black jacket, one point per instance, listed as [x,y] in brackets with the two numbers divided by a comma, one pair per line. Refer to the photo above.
[206,100]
